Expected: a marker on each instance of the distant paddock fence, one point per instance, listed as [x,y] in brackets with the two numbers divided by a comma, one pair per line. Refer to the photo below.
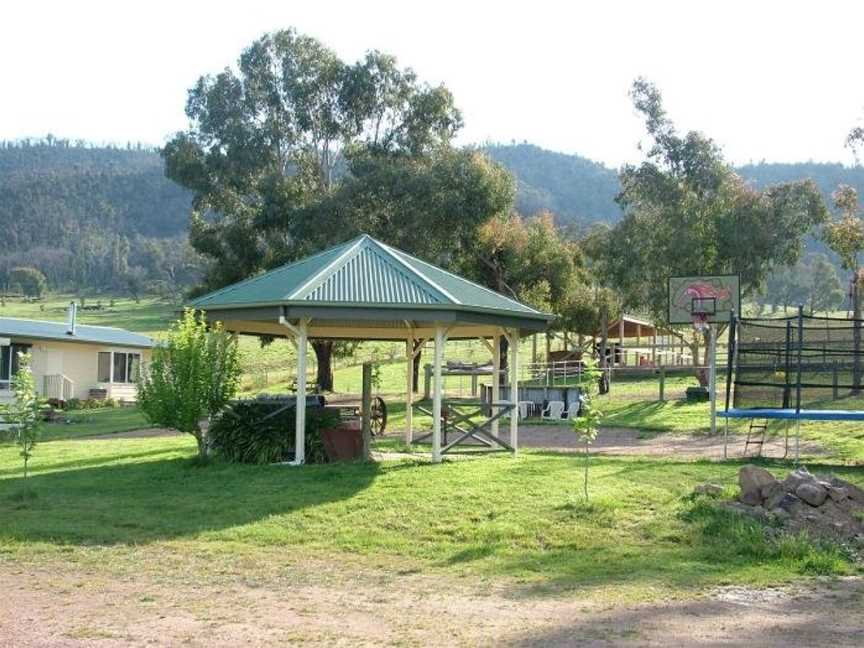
[636,383]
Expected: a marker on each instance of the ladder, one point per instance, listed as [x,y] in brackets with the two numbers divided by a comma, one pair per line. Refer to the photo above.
[756,435]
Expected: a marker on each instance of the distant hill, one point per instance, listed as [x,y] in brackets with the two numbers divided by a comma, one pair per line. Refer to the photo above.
[106,217]
[87,215]
[578,190]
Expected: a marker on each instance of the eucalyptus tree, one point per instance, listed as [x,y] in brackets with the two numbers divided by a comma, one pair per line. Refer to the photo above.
[295,149]
[687,213]
[845,236]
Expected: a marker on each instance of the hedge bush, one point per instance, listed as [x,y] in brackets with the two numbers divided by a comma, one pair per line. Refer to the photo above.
[257,432]
[90,403]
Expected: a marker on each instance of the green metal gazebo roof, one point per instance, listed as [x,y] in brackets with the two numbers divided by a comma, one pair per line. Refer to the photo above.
[367,275]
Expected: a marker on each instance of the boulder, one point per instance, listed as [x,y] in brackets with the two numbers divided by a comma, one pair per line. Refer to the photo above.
[711,490]
[752,479]
[791,504]
[772,495]
[837,493]
[796,478]
[812,493]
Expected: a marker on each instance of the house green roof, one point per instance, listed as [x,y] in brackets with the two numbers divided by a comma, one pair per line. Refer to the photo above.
[365,273]
[42,330]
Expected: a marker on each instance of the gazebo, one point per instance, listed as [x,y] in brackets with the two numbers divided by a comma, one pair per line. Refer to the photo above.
[366,290]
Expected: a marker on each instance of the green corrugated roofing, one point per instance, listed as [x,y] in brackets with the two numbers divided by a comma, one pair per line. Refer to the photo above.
[41,330]
[362,272]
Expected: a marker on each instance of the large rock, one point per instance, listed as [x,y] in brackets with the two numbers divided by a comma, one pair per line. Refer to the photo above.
[752,479]
[813,493]
[796,478]
[773,495]
[791,504]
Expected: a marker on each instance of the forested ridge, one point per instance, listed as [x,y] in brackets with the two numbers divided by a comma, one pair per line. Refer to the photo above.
[106,217]
[91,217]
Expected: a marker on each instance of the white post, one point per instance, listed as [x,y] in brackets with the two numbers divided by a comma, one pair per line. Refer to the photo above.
[409,386]
[712,376]
[496,379]
[439,388]
[514,390]
[300,409]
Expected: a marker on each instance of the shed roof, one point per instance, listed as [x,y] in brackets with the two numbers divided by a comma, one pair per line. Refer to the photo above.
[364,272]
[85,333]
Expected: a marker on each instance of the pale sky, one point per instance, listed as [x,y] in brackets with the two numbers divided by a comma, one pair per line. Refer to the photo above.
[778,81]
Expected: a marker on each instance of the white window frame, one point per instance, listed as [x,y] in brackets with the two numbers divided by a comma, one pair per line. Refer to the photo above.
[112,353]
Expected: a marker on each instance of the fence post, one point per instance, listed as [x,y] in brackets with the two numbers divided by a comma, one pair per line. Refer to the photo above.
[835,380]
[366,408]
[662,384]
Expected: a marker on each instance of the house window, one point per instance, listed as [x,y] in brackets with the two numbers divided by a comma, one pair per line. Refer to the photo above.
[104,366]
[9,363]
[125,367]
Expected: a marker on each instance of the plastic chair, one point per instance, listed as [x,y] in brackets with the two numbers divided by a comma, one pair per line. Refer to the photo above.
[526,409]
[553,411]
[573,411]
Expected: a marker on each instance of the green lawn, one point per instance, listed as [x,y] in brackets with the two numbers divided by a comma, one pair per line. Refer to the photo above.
[112,503]
[80,423]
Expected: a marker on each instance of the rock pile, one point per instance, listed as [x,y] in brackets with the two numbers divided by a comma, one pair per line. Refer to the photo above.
[821,505]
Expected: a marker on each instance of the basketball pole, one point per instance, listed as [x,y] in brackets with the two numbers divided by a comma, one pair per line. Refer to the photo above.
[712,376]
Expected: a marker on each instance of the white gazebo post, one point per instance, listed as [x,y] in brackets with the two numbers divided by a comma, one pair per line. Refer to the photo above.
[496,380]
[299,335]
[514,390]
[440,339]
[300,409]
[409,387]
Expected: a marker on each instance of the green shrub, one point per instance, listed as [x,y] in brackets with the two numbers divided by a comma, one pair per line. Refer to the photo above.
[258,432]
[90,403]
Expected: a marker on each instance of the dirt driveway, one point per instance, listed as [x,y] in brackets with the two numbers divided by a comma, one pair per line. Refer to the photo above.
[73,608]
[634,442]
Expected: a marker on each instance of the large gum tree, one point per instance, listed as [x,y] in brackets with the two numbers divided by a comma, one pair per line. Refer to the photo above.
[295,149]
[687,212]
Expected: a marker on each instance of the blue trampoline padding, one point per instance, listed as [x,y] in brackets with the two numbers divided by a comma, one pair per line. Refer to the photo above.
[803,415]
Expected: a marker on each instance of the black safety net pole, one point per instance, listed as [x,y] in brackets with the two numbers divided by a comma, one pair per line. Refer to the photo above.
[730,359]
[800,348]
[788,361]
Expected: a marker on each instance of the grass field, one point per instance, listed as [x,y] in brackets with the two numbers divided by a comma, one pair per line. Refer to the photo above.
[111,503]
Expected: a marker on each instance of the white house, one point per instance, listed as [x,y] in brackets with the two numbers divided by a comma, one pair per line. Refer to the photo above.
[71,360]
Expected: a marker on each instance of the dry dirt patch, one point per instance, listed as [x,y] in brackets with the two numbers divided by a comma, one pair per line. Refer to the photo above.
[74,607]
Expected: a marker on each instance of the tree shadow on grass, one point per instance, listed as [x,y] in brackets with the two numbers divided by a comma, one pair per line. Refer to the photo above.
[135,503]
[95,461]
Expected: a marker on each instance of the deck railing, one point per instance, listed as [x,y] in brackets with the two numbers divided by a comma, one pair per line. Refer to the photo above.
[58,387]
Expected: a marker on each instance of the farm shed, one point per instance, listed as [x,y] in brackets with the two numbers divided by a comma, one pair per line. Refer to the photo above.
[366,290]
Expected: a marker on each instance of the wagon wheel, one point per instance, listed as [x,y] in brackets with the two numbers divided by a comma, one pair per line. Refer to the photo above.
[378,416]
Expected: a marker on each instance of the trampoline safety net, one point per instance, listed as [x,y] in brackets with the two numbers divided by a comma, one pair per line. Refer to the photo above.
[800,362]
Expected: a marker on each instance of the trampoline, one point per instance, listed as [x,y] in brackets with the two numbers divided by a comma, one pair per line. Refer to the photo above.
[799,368]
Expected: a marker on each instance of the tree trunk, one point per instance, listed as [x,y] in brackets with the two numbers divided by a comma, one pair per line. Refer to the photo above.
[416,365]
[503,346]
[701,372]
[201,440]
[604,345]
[324,356]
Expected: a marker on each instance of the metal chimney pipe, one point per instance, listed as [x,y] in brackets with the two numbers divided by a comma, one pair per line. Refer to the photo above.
[73,310]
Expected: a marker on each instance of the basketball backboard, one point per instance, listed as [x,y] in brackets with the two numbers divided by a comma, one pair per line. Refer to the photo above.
[713,297]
